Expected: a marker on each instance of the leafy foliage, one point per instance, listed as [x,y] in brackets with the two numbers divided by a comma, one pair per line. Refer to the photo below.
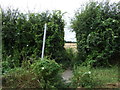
[97,29]
[72,55]
[23,34]
[46,68]
[43,73]
[87,77]
[84,77]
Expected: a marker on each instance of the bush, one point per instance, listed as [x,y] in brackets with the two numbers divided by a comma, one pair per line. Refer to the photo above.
[22,35]
[10,61]
[47,70]
[84,77]
[43,73]
[97,28]
[20,78]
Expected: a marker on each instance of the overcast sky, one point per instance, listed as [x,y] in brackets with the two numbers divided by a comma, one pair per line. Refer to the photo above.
[68,6]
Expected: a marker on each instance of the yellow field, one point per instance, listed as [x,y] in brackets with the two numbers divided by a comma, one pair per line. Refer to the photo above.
[71,45]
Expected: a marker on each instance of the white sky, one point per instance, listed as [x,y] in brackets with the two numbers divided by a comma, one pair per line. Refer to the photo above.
[68,6]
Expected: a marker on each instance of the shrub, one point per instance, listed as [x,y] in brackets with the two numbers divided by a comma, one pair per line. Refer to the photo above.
[10,61]
[45,69]
[20,78]
[43,73]
[84,77]
[48,70]
[22,35]
[98,33]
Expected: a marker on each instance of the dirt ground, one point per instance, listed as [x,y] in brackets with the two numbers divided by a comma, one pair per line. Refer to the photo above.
[109,86]
[113,85]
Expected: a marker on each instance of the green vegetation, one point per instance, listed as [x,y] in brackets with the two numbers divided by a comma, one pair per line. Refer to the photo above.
[97,29]
[107,75]
[41,74]
[94,65]
[72,56]
[22,36]
[87,77]
[84,77]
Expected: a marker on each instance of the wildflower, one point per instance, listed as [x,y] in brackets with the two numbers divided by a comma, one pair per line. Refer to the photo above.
[115,36]
[89,72]
[43,68]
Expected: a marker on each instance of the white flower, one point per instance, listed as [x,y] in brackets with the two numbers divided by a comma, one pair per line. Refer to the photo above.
[89,35]
[43,68]
[3,22]
[115,36]
[27,45]
[89,72]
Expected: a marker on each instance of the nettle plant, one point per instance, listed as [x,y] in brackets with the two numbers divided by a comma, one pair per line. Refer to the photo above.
[97,28]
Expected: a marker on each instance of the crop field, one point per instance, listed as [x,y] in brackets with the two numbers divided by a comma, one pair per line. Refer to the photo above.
[71,45]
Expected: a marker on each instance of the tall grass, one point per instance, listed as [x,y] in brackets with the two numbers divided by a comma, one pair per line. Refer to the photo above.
[107,75]
[87,77]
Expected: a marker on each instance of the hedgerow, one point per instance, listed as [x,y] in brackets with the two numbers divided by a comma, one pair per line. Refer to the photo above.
[97,28]
[22,36]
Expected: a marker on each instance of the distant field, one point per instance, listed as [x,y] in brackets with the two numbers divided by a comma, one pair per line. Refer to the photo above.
[71,45]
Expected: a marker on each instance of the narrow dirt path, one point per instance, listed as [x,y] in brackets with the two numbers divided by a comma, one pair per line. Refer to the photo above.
[67,74]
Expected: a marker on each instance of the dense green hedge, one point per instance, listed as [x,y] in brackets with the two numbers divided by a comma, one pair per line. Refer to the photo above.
[22,36]
[97,28]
